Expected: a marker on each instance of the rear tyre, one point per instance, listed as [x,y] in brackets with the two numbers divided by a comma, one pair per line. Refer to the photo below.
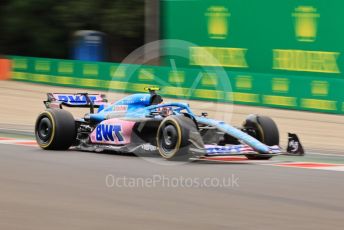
[55,129]
[265,130]
[173,137]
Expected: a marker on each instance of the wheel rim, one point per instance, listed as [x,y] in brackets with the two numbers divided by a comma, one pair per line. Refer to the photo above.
[44,130]
[169,138]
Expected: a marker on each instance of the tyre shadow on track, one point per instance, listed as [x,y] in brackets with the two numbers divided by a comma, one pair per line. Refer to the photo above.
[241,160]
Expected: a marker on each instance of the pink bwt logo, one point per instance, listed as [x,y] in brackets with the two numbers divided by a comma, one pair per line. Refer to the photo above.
[113,131]
[105,132]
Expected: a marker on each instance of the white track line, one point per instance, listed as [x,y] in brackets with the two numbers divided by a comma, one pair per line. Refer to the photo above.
[325,154]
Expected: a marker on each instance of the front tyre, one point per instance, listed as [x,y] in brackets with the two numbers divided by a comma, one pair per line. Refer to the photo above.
[265,130]
[55,129]
[173,137]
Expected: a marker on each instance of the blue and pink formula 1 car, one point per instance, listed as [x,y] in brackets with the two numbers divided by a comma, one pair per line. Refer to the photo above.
[142,124]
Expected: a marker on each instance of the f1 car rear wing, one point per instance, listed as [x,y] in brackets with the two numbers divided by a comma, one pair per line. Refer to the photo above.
[81,100]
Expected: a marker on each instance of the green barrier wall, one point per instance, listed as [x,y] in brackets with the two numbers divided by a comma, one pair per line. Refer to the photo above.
[288,37]
[318,93]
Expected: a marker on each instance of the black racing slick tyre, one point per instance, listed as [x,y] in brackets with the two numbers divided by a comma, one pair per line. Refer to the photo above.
[266,131]
[55,129]
[173,137]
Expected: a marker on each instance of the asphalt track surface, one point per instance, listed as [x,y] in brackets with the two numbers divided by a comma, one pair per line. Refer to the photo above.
[68,190]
